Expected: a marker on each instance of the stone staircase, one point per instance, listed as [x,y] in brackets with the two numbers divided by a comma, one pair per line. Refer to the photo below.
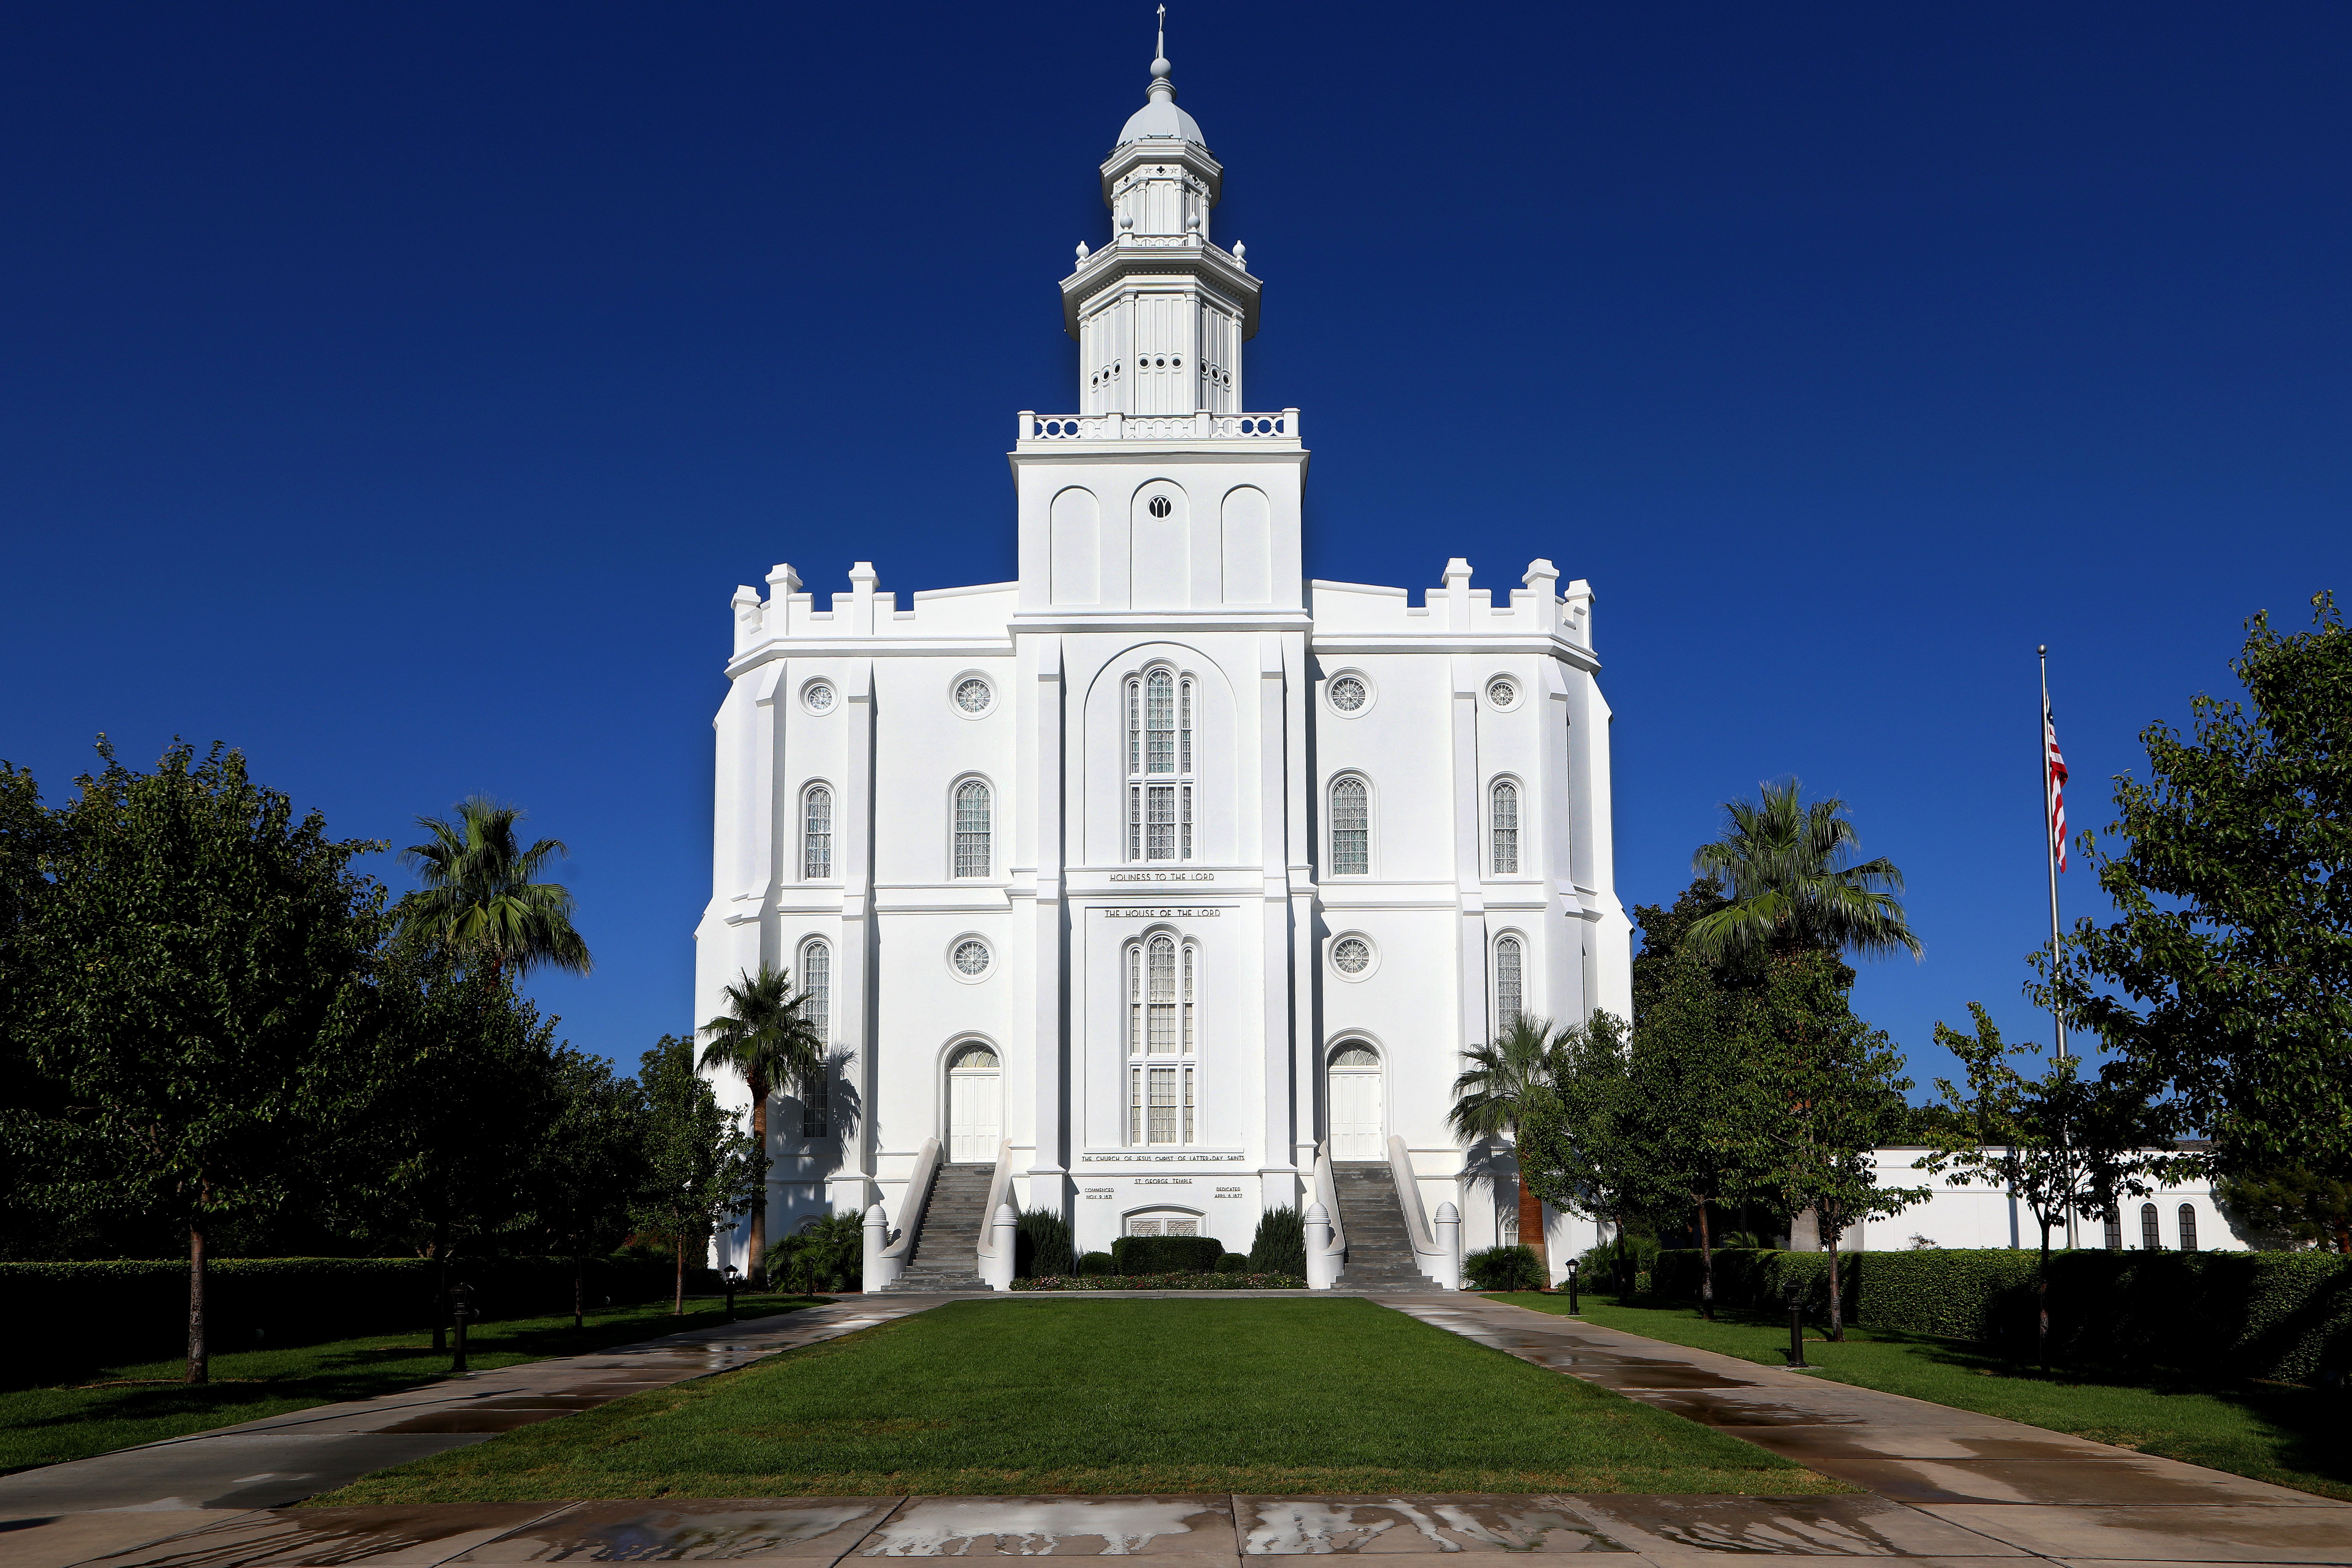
[947,1239]
[1380,1253]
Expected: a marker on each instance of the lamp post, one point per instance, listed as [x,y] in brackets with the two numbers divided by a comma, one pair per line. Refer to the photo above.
[1571,1288]
[728,1277]
[461,1310]
[1796,1324]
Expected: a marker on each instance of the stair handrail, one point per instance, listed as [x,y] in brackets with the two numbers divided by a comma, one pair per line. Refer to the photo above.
[910,1206]
[1325,1265]
[1000,1191]
[1428,1256]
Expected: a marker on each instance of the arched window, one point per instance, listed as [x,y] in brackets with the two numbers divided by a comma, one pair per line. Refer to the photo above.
[817,1006]
[1352,828]
[2148,1237]
[972,829]
[1509,983]
[2188,1228]
[816,834]
[1161,763]
[2115,1232]
[1162,1043]
[1504,823]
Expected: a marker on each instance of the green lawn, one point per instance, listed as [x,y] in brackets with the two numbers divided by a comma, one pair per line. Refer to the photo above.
[2288,1435]
[1169,1396]
[73,1420]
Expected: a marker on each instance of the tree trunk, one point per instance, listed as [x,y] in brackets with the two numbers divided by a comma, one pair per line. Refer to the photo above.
[1531,1230]
[200,1358]
[441,1283]
[678,1308]
[2041,1304]
[1706,1267]
[1837,1307]
[578,1291]
[755,1266]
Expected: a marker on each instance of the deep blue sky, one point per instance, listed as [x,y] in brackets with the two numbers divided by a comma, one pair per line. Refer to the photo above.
[398,392]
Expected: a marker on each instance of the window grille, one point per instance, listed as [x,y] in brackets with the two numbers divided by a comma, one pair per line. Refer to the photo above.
[1508,984]
[1161,758]
[972,828]
[1162,1035]
[816,834]
[2188,1228]
[1346,693]
[1507,830]
[2148,1237]
[1351,955]
[2115,1232]
[972,956]
[1351,829]
[817,1006]
[972,695]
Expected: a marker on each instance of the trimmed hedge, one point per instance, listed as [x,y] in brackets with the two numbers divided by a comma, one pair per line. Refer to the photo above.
[2280,1315]
[1167,1254]
[87,1313]
[1174,1281]
[1504,1268]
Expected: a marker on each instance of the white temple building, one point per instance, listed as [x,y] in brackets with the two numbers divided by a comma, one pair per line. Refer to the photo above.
[1160,887]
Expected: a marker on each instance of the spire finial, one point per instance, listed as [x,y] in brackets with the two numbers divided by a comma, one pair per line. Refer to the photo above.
[1159,65]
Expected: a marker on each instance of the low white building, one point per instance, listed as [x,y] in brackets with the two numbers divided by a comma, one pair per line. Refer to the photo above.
[2183,1219]
[1139,880]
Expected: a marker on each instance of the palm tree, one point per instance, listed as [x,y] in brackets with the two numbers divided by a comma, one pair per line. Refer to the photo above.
[764,1035]
[1788,866]
[1493,1096]
[481,900]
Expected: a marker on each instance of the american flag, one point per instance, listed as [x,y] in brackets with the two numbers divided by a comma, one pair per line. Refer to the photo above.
[2054,784]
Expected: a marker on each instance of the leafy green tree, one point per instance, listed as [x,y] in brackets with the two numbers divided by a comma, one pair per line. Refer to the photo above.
[2228,971]
[199,954]
[590,1165]
[482,901]
[700,1167]
[1840,1086]
[2294,1205]
[1795,885]
[1577,1145]
[827,1253]
[2061,1144]
[1505,1079]
[765,1036]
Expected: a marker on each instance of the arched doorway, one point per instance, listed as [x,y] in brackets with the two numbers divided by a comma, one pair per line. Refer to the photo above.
[1358,1117]
[975,1102]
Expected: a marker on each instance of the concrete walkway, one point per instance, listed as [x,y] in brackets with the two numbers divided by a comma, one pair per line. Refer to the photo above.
[1943,1488]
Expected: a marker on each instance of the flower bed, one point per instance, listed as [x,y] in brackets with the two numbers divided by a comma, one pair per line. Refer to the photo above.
[1162,1282]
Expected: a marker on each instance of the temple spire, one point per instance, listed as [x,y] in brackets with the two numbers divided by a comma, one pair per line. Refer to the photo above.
[1161,87]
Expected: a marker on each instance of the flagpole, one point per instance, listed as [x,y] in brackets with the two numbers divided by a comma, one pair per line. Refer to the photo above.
[2050,858]
[2050,849]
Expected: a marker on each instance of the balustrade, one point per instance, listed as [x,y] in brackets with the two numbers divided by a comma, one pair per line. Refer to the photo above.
[1282,427]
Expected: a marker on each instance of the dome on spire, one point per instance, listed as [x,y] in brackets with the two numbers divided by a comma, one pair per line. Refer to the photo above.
[1160,119]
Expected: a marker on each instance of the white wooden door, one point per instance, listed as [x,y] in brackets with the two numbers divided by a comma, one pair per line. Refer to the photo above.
[1358,1129]
[975,1125]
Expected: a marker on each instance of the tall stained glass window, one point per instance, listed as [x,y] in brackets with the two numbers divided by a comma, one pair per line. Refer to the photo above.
[1352,828]
[1161,759]
[972,829]
[816,834]
[1509,983]
[1506,828]
[817,1006]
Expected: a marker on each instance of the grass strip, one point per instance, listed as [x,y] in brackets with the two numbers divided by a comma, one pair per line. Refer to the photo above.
[2282,1433]
[1078,1396]
[74,1419]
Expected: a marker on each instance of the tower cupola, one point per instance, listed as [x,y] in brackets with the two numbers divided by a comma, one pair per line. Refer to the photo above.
[1160,312]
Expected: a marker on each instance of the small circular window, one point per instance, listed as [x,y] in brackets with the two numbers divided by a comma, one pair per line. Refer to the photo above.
[1159,506]
[971,957]
[817,697]
[972,695]
[1503,691]
[1351,955]
[1347,693]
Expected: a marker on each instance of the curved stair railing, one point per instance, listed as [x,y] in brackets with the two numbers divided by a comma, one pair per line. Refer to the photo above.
[1327,1239]
[994,1266]
[889,1261]
[1432,1258]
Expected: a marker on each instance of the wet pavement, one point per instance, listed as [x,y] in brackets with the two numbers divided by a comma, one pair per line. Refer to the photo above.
[1942,1487]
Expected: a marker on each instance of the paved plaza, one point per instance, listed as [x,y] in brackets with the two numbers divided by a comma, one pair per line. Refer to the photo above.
[1938,1485]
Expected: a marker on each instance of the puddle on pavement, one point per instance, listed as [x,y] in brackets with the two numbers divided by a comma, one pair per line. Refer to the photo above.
[1036,1527]
[645,1531]
[1375,1525]
[1723,1412]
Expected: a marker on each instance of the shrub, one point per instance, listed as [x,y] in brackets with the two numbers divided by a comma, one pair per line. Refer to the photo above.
[1504,1268]
[1219,1281]
[1596,1267]
[827,1253]
[1280,1246]
[1233,1263]
[1042,1246]
[1098,1263]
[1167,1254]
